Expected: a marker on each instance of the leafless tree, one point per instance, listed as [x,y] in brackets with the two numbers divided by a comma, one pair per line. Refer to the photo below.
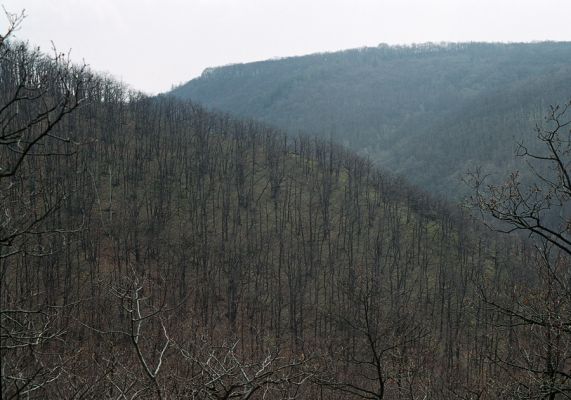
[36,93]
[538,313]
[222,373]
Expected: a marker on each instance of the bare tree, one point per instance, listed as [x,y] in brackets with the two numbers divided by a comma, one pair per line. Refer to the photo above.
[222,373]
[36,93]
[539,203]
[384,350]
[140,313]
[537,315]
[14,22]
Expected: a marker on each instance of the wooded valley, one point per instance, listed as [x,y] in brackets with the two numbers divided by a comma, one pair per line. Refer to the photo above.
[151,248]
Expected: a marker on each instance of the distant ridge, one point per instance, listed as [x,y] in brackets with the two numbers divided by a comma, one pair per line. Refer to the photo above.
[429,111]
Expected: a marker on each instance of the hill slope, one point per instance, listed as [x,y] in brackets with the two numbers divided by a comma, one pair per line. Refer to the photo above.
[428,112]
[150,249]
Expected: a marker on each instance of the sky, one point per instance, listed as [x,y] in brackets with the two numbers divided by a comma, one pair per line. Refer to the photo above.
[152,45]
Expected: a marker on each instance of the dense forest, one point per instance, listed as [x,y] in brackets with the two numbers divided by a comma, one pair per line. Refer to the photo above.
[152,249]
[429,112]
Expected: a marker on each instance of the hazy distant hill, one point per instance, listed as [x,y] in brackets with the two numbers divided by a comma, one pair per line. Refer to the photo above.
[429,111]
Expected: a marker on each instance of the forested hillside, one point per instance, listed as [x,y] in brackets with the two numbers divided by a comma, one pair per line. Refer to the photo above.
[152,249]
[427,112]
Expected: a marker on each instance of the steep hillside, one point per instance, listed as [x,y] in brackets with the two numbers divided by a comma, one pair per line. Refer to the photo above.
[428,112]
[150,249]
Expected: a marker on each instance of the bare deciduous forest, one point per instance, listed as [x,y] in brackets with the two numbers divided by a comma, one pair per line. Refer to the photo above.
[152,249]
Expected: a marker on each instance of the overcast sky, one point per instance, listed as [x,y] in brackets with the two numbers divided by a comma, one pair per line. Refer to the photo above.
[153,44]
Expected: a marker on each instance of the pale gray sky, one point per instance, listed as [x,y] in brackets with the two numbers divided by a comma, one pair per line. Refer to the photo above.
[152,44]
